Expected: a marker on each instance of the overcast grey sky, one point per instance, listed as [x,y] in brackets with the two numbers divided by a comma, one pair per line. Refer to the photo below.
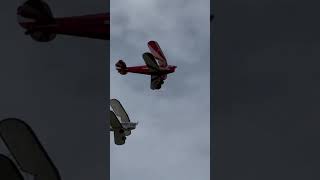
[172,139]
[60,89]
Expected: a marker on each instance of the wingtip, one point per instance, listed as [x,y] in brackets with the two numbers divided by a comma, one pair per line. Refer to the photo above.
[116,100]
[151,42]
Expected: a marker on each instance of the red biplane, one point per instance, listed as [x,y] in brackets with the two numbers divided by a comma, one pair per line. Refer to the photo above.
[158,71]
[36,17]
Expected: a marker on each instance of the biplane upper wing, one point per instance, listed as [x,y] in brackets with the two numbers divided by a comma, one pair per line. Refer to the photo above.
[157,53]
[119,110]
[150,62]
[119,138]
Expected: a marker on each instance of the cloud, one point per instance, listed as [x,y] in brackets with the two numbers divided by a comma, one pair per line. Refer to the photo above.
[173,135]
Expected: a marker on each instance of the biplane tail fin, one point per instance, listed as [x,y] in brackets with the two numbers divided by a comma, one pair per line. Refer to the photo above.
[36,17]
[121,67]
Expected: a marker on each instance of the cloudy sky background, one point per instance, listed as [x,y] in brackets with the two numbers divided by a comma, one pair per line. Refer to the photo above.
[172,139]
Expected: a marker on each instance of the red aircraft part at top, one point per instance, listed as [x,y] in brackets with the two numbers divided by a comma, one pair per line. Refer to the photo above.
[93,26]
[139,69]
[145,70]
[157,53]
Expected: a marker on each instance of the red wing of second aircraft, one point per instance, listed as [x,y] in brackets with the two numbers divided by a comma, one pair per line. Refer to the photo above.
[157,53]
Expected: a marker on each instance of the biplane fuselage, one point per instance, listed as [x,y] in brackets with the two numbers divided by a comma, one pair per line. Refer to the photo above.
[92,26]
[36,17]
[145,70]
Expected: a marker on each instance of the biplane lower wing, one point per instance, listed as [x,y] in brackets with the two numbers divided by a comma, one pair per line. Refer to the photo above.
[119,138]
[114,121]
[119,133]
[156,82]
[151,62]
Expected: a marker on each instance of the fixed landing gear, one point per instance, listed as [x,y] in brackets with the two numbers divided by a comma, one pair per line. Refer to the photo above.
[121,131]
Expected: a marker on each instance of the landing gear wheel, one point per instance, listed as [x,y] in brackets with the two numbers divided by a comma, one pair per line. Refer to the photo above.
[124,138]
